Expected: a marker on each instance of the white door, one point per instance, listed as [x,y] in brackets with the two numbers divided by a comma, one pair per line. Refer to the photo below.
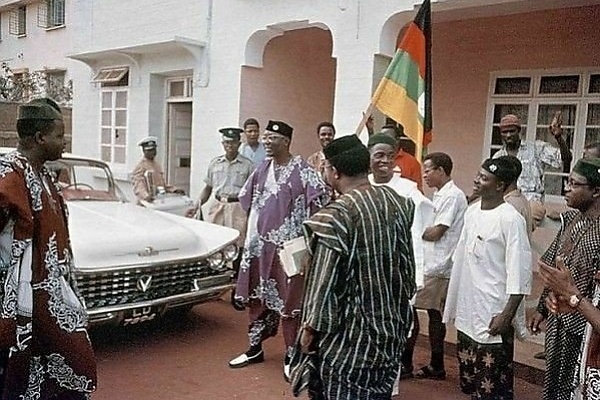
[180,140]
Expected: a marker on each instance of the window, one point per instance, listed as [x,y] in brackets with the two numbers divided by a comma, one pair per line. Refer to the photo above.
[118,76]
[180,88]
[51,13]
[113,125]
[534,98]
[18,21]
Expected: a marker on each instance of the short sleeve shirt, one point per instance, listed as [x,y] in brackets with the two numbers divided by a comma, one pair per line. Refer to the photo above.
[535,157]
[257,155]
[450,204]
[228,177]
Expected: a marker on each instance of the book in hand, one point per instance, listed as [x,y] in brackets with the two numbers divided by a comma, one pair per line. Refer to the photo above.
[291,255]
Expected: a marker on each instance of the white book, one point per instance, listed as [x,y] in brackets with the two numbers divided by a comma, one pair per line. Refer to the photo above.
[291,255]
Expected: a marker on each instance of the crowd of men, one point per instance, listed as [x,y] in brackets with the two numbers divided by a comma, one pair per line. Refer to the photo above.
[377,250]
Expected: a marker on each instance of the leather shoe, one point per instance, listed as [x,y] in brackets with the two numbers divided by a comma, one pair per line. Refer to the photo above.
[243,359]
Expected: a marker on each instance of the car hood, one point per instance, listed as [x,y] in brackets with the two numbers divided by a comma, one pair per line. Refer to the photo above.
[112,234]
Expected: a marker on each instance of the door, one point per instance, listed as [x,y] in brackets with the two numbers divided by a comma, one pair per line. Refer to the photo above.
[179,149]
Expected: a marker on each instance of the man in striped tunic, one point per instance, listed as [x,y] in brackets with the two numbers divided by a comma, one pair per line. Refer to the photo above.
[356,312]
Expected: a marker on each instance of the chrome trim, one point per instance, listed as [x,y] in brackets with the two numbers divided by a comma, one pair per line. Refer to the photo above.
[164,300]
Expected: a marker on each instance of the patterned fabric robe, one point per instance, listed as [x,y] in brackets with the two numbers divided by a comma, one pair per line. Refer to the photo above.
[276,213]
[46,350]
[357,295]
[578,243]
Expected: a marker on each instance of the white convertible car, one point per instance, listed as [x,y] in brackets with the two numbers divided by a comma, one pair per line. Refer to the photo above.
[133,263]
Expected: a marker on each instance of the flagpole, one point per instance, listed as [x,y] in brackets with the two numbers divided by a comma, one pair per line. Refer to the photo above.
[363,122]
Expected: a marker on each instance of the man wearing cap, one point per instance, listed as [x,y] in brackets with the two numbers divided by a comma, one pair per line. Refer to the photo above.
[356,312]
[535,156]
[253,147]
[326,133]
[577,245]
[490,276]
[407,165]
[280,194]
[143,189]
[44,346]
[225,177]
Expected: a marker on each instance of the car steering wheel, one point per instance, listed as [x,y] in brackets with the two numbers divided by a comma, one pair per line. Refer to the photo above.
[77,185]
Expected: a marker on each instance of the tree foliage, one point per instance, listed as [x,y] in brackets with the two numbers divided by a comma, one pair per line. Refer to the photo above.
[25,86]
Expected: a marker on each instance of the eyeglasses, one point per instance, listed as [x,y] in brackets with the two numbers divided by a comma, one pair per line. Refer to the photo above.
[571,183]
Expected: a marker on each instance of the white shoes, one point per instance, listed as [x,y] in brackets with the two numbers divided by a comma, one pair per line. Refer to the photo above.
[243,359]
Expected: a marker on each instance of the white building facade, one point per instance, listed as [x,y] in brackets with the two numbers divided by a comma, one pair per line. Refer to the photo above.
[182,69]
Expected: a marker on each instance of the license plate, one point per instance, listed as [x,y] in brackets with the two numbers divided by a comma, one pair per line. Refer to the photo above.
[137,315]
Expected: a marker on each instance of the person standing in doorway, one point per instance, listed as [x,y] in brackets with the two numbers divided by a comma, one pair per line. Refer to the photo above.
[279,196]
[45,351]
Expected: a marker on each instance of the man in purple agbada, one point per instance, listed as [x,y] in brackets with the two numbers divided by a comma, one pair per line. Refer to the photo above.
[279,196]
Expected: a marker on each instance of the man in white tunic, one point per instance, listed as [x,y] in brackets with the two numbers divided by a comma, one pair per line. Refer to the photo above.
[490,277]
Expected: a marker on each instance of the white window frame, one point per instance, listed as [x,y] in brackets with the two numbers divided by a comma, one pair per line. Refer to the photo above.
[18,21]
[113,126]
[534,100]
[51,14]
[187,89]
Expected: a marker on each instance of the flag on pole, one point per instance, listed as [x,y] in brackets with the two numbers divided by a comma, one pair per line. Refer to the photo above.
[404,93]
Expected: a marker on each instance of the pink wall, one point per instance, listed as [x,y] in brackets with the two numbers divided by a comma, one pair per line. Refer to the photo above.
[296,85]
[466,52]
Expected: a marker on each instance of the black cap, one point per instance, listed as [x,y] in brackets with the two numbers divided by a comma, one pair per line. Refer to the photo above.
[501,168]
[40,109]
[280,127]
[342,145]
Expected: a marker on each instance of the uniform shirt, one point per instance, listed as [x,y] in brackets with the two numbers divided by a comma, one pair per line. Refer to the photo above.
[422,219]
[257,155]
[228,177]
[492,261]
[535,157]
[140,189]
[450,204]
[409,168]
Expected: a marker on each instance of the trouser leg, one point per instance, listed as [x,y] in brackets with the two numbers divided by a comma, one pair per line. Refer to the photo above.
[263,324]
[411,342]
[437,336]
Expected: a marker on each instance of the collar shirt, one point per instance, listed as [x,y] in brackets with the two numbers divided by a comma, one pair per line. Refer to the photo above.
[450,204]
[492,261]
[228,177]
[535,157]
[257,155]
[422,219]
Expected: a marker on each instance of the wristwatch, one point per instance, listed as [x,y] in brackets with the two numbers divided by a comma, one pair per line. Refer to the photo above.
[574,300]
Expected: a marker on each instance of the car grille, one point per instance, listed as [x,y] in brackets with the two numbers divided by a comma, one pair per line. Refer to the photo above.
[125,286]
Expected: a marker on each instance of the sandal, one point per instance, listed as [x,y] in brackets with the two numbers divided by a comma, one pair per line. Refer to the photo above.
[427,372]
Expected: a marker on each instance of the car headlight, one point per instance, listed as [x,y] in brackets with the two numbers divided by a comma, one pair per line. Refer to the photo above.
[230,252]
[216,261]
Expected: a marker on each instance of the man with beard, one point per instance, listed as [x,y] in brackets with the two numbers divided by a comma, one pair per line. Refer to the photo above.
[253,148]
[568,293]
[326,133]
[279,195]
[44,346]
[356,312]
[535,157]
[577,244]
[490,276]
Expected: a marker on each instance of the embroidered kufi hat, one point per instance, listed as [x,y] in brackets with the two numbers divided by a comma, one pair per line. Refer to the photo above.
[510,120]
[280,127]
[501,168]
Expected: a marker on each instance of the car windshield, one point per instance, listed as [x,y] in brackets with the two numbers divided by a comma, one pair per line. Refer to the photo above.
[84,180]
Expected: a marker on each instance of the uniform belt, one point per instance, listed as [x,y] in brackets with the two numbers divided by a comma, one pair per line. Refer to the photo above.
[225,199]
